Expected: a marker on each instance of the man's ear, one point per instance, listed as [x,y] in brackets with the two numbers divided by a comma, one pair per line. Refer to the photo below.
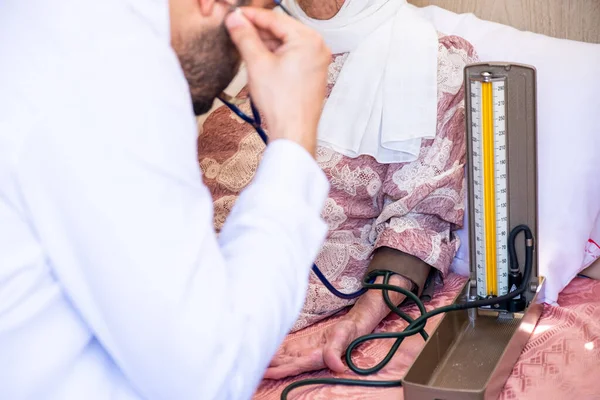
[206,7]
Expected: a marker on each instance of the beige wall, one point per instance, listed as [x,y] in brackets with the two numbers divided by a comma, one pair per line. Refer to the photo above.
[569,19]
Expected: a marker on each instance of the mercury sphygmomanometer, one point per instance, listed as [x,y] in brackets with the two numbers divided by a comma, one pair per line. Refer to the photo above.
[500,283]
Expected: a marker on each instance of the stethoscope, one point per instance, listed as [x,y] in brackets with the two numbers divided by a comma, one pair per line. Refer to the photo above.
[256,122]
[415,326]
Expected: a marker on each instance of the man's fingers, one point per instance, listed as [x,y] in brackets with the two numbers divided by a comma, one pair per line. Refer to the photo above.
[246,37]
[266,35]
[272,44]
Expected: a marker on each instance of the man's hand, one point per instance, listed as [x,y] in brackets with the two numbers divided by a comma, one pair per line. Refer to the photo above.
[325,348]
[287,71]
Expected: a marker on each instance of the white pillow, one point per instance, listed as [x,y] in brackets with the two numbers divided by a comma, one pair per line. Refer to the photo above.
[568,136]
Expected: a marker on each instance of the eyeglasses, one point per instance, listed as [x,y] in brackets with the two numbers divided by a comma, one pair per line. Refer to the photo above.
[232,102]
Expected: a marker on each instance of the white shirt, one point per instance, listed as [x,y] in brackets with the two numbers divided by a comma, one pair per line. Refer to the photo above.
[113,284]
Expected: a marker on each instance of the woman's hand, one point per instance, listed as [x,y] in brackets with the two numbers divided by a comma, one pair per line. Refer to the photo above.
[321,349]
[325,347]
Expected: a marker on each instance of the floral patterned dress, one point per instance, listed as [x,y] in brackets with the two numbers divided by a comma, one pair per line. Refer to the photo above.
[413,207]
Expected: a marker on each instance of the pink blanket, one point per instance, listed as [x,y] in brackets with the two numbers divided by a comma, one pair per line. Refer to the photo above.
[561,360]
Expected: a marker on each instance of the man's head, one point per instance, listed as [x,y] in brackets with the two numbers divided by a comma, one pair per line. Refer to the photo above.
[207,55]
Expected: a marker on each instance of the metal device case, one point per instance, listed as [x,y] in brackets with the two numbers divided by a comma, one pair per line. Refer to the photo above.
[472,352]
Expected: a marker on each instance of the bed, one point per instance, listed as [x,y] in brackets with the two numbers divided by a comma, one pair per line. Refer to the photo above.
[561,360]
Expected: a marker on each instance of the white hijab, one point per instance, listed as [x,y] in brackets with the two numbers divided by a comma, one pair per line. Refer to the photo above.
[385,99]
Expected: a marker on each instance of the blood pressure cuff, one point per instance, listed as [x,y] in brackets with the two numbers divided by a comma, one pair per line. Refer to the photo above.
[410,267]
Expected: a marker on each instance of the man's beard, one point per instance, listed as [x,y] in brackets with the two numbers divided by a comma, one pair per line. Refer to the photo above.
[210,61]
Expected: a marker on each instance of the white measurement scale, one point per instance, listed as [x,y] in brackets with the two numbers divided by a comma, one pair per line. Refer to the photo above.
[500,106]
[489,167]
